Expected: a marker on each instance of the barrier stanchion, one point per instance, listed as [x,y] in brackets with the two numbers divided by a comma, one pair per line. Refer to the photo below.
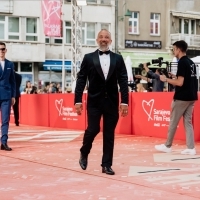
[62,112]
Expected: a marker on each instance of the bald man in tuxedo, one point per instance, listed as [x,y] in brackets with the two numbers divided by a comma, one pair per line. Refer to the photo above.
[104,71]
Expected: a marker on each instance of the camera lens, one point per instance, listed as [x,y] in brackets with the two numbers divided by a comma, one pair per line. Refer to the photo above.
[141,66]
[155,61]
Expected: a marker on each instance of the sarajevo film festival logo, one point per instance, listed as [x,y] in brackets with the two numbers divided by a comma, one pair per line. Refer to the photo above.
[148,107]
[58,104]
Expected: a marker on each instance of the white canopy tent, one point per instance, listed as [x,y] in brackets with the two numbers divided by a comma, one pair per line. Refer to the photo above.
[128,64]
[196,60]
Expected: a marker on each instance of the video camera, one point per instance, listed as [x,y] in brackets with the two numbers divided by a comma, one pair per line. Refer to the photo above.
[132,85]
[141,66]
[159,62]
[163,71]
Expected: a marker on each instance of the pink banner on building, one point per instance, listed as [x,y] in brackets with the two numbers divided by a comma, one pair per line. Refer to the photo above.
[51,12]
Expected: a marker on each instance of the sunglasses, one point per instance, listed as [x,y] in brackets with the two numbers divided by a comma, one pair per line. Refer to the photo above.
[2,49]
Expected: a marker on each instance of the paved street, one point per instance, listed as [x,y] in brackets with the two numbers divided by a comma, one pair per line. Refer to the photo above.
[44,166]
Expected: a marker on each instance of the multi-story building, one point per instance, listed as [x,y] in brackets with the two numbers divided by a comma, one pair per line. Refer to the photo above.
[154,26]
[39,58]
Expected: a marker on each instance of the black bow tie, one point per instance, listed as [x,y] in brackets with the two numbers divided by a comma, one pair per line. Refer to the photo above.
[102,52]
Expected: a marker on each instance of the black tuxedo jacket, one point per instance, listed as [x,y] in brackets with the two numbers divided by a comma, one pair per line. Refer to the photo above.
[18,80]
[99,88]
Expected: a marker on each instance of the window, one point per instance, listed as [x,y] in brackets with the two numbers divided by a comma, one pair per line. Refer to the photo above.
[26,67]
[57,40]
[88,34]
[10,28]
[67,1]
[105,1]
[31,29]
[47,40]
[13,28]
[134,23]
[91,1]
[68,30]
[53,40]
[2,27]
[155,24]
[187,26]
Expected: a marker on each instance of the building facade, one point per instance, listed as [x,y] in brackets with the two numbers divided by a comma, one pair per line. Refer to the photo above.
[39,58]
[154,26]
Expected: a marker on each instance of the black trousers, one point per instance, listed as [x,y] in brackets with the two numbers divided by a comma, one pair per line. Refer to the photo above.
[110,118]
[16,110]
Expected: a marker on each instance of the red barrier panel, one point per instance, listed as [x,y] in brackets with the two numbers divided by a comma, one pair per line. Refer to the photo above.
[62,112]
[124,123]
[34,109]
[196,116]
[151,115]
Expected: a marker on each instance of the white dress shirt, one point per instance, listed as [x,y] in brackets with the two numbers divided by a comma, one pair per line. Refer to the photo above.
[105,64]
[2,63]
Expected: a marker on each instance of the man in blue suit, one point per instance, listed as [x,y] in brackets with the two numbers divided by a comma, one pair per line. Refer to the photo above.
[7,94]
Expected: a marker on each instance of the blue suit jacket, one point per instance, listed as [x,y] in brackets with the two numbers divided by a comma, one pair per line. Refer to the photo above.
[7,81]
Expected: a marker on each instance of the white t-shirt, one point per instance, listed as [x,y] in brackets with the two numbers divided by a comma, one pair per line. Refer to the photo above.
[2,63]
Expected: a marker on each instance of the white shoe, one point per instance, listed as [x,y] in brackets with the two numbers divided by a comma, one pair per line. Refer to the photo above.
[189,152]
[163,148]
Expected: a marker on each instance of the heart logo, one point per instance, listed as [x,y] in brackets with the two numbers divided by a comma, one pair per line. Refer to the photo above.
[147,107]
[58,104]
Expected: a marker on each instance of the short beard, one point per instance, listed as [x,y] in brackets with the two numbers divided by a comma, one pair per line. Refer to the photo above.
[104,48]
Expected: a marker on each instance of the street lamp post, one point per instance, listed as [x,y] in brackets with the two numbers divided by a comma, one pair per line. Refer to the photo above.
[127,14]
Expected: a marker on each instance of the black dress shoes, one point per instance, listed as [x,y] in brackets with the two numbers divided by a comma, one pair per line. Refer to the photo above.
[5,147]
[83,162]
[108,170]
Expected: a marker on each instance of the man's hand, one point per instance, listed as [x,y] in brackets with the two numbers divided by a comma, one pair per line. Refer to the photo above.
[12,101]
[145,67]
[163,78]
[79,108]
[137,76]
[172,75]
[124,110]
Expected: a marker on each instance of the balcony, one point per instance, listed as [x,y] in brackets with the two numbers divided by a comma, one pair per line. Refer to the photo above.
[192,40]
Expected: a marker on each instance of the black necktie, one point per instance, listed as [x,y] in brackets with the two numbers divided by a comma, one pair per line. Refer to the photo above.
[102,52]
